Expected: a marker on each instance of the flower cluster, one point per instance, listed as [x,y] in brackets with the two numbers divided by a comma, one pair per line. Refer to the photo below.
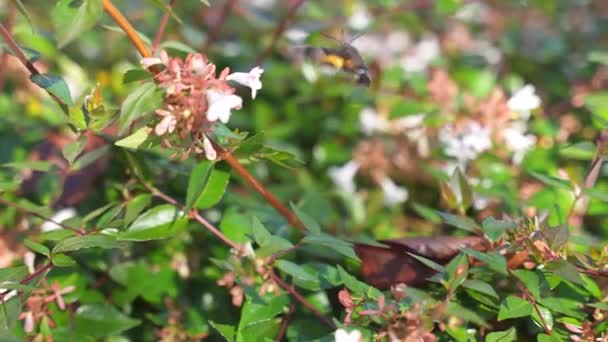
[195,98]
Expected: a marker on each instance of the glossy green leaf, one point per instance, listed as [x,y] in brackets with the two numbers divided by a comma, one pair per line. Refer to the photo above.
[199,176]
[37,247]
[513,307]
[138,140]
[531,279]
[135,206]
[160,222]
[86,241]
[295,270]
[340,246]
[62,260]
[492,260]
[55,85]
[502,336]
[461,222]
[71,21]
[214,189]
[480,286]
[134,75]
[100,320]
[13,274]
[227,331]
[142,100]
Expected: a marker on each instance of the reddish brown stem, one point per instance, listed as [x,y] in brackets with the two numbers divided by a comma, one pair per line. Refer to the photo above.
[193,214]
[215,31]
[163,25]
[9,28]
[31,212]
[124,24]
[29,278]
[532,301]
[285,322]
[295,294]
[257,186]
[280,29]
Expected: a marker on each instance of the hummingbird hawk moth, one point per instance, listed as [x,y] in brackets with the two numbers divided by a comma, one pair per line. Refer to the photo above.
[344,57]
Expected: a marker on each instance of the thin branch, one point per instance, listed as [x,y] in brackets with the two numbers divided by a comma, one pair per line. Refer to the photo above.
[292,291]
[285,322]
[214,33]
[289,215]
[163,24]
[10,20]
[532,301]
[39,215]
[194,214]
[280,29]
[126,26]
[29,278]
[575,215]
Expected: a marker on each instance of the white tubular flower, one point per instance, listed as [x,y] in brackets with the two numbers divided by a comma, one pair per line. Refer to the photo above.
[220,105]
[344,176]
[341,335]
[59,217]
[249,79]
[360,19]
[393,194]
[524,100]
[422,54]
[518,142]
[466,145]
[371,122]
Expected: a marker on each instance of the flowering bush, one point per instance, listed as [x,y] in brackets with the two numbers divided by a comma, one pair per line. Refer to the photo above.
[460,196]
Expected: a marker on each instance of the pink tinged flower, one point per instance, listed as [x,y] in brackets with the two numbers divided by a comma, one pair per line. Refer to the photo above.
[210,152]
[198,64]
[220,105]
[147,62]
[166,125]
[28,321]
[341,335]
[249,79]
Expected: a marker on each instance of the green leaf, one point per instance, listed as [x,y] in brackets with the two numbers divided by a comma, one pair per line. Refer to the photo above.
[269,244]
[565,270]
[547,338]
[34,165]
[428,262]
[455,309]
[14,274]
[358,287]
[502,336]
[86,241]
[461,222]
[55,85]
[552,181]
[494,228]
[493,260]
[160,222]
[236,226]
[531,279]
[597,194]
[136,75]
[177,47]
[227,331]
[71,21]
[457,271]
[89,158]
[547,317]
[62,260]
[556,237]
[197,182]
[9,314]
[597,103]
[295,270]
[480,286]
[143,99]
[259,311]
[466,192]
[135,206]
[340,246]
[214,189]
[73,149]
[308,221]
[16,286]
[513,307]
[37,247]
[137,140]
[598,56]
[584,150]
[100,320]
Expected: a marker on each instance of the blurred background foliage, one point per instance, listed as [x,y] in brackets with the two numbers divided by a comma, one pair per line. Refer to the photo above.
[445,77]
